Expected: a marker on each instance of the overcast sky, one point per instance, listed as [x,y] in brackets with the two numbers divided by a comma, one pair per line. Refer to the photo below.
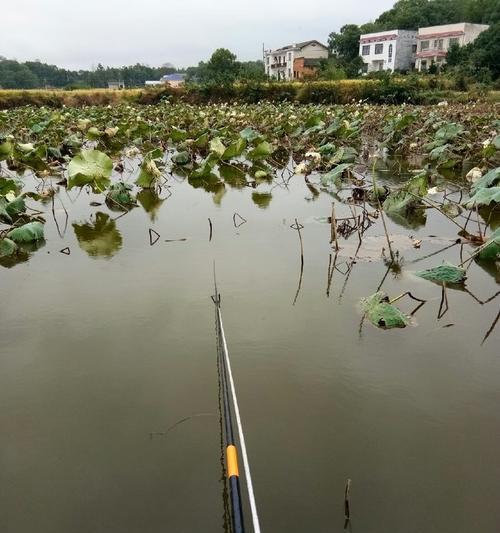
[80,34]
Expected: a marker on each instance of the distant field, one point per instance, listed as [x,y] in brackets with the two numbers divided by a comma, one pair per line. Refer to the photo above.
[59,97]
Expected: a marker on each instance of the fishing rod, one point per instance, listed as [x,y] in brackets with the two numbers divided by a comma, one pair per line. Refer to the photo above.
[230,399]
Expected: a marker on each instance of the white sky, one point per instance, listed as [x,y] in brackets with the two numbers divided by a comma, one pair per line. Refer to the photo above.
[80,34]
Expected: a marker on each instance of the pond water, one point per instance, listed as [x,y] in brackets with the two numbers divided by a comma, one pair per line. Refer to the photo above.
[104,349]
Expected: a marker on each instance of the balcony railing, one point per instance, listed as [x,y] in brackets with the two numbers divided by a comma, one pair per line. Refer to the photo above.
[278,65]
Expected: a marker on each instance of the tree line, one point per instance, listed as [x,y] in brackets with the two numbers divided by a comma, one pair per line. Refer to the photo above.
[35,74]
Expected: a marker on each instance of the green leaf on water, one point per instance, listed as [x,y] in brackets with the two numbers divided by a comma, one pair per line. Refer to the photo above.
[150,173]
[11,210]
[345,154]
[181,158]
[261,151]
[484,197]
[405,200]
[93,133]
[178,135]
[249,134]
[6,149]
[7,247]
[10,185]
[488,180]
[26,147]
[217,147]
[31,232]
[234,150]
[201,141]
[491,250]
[4,215]
[444,273]
[119,195]
[400,202]
[90,167]
[205,168]
[382,313]
[449,131]
[335,175]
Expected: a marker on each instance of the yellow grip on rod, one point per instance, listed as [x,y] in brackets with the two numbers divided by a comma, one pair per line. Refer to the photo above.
[232,461]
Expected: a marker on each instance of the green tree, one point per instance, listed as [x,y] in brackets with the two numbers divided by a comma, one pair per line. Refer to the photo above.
[330,70]
[485,51]
[222,68]
[345,44]
[456,55]
[252,71]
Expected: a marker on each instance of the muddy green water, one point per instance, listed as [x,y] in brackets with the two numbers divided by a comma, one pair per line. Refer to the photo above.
[97,352]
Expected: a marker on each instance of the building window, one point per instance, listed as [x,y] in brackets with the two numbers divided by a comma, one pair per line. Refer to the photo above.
[390,53]
[267,60]
[424,45]
[423,65]
[438,44]
[289,56]
[413,48]
[365,50]
[289,73]
[379,48]
[453,40]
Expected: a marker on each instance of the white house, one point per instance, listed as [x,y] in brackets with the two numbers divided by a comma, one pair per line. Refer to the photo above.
[116,85]
[388,50]
[172,80]
[279,63]
[435,41]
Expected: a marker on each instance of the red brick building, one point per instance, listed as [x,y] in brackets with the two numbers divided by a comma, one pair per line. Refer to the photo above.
[304,67]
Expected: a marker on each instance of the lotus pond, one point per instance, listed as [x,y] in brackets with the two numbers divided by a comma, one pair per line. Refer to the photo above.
[357,253]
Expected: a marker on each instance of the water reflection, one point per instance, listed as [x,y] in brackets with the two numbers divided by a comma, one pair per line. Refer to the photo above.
[150,202]
[212,184]
[100,238]
[233,176]
[262,199]
[412,219]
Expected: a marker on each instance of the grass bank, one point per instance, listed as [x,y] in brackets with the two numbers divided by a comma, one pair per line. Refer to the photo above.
[393,91]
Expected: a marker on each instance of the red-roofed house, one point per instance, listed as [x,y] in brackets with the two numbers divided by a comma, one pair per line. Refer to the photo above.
[435,41]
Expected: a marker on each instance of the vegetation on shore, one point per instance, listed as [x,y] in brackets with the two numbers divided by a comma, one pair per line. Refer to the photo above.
[392,90]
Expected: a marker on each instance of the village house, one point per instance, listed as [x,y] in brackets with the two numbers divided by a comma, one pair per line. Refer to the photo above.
[174,80]
[388,50]
[435,41]
[116,85]
[294,61]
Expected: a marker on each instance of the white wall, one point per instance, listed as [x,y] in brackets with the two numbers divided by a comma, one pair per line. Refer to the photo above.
[472,31]
[469,33]
[402,53]
[312,51]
